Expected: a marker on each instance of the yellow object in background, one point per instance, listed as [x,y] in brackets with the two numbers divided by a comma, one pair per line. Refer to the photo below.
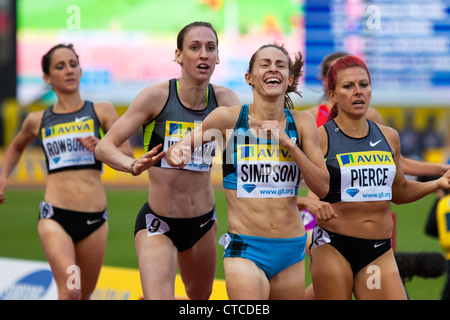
[116,283]
[443,222]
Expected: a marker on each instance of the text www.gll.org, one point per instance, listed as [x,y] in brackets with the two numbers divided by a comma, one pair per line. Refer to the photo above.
[277,192]
[380,195]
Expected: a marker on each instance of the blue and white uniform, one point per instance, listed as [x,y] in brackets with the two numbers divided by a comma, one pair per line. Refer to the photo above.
[261,168]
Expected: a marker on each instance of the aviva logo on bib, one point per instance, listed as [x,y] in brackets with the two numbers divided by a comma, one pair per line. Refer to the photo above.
[176,129]
[86,126]
[365,158]
[262,152]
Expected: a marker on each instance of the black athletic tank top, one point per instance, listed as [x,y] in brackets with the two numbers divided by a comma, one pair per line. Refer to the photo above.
[174,122]
[58,133]
[361,169]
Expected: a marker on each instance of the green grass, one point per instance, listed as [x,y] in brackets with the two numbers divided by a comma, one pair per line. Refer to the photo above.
[19,239]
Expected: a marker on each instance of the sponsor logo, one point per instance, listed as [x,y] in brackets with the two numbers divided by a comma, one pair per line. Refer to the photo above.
[249,187]
[352,192]
[265,170]
[205,223]
[77,120]
[68,128]
[376,245]
[373,144]
[31,287]
[255,152]
[175,129]
[365,158]
[89,222]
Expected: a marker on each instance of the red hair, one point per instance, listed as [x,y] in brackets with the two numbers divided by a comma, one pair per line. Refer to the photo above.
[342,64]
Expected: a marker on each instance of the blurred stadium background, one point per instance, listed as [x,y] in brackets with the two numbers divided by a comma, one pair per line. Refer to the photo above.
[125,45]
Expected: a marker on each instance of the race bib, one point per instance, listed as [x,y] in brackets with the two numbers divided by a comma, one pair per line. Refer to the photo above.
[202,157]
[45,210]
[62,148]
[155,225]
[265,171]
[319,237]
[366,176]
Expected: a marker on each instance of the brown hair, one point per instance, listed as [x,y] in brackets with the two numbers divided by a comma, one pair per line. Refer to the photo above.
[46,59]
[326,62]
[187,28]
[295,69]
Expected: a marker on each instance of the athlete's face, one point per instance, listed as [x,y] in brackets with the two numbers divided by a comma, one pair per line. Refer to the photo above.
[353,91]
[199,55]
[64,72]
[324,79]
[270,75]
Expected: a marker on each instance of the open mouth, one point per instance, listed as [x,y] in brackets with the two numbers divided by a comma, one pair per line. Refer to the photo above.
[358,103]
[272,81]
[203,66]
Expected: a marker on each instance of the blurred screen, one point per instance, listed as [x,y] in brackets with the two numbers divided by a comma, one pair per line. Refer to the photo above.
[405,43]
[125,45]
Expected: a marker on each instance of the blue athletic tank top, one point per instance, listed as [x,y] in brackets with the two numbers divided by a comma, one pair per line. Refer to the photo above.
[58,133]
[174,122]
[257,167]
[361,169]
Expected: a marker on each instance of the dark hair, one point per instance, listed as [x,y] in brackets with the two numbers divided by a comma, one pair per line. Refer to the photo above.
[187,28]
[324,66]
[46,59]
[326,62]
[295,69]
[342,64]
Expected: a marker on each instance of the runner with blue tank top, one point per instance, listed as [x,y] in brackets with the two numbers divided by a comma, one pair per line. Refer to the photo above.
[176,227]
[257,167]
[265,149]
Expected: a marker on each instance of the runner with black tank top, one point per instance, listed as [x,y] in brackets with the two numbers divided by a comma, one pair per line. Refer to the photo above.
[351,252]
[176,227]
[174,122]
[267,146]
[170,126]
[60,133]
[72,224]
[60,136]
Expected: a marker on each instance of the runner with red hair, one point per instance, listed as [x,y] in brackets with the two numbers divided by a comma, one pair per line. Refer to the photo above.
[351,252]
